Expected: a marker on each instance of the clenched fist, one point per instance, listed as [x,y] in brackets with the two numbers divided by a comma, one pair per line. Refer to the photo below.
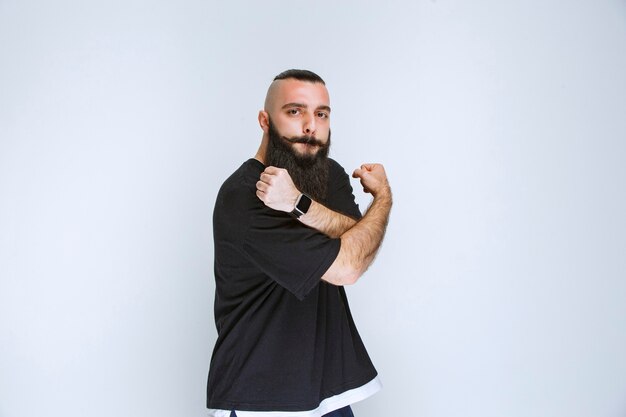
[373,179]
[276,189]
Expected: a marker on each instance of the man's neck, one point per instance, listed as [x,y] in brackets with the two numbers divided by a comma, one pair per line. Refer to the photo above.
[262,151]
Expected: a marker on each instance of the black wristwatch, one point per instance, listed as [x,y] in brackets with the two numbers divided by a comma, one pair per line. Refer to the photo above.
[302,205]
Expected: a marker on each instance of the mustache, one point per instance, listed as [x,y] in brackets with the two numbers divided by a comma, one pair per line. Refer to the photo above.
[307,140]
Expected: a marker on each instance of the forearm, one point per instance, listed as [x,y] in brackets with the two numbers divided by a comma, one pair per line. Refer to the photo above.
[360,243]
[323,219]
[276,189]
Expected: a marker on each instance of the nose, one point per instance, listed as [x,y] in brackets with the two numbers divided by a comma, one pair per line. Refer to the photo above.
[308,126]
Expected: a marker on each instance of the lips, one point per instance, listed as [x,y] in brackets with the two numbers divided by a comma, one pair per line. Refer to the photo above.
[305,140]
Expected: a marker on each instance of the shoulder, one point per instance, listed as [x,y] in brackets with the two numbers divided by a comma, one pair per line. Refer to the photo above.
[239,188]
[335,167]
[340,192]
[337,175]
[244,178]
[336,172]
[246,175]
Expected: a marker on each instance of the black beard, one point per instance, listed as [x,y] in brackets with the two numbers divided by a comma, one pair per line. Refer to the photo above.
[308,172]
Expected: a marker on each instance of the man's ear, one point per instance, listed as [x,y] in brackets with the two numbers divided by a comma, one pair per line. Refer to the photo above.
[264,121]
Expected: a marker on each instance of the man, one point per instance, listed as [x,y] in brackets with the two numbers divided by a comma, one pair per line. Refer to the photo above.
[288,235]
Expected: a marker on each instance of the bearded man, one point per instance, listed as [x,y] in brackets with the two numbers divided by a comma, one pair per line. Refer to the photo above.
[288,236]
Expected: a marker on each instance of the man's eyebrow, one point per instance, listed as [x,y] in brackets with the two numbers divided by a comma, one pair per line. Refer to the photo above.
[327,108]
[304,106]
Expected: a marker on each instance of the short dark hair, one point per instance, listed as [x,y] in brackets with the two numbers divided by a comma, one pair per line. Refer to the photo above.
[302,75]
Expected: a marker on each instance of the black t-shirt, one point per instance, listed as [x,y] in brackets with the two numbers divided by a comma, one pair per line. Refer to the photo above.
[286,339]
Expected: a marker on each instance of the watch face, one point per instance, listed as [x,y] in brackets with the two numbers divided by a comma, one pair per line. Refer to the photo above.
[302,206]
[304,203]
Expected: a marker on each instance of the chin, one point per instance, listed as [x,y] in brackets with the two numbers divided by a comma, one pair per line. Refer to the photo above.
[306,150]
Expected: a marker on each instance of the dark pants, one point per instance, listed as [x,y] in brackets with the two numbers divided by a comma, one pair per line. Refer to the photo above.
[342,412]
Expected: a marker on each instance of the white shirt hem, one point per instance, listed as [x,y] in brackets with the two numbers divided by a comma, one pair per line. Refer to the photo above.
[326,406]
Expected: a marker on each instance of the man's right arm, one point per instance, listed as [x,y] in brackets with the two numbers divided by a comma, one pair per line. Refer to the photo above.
[361,242]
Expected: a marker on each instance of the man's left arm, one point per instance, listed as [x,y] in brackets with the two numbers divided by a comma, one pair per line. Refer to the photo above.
[277,190]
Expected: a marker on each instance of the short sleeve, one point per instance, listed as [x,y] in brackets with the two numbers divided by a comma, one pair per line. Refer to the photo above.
[290,253]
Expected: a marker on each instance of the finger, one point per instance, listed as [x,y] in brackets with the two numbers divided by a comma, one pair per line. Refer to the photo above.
[260,195]
[261,186]
[272,170]
[266,178]
[369,167]
[357,173]
[364,175]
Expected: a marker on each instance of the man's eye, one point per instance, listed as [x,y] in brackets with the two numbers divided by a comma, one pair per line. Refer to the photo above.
[322,115]
[294,111]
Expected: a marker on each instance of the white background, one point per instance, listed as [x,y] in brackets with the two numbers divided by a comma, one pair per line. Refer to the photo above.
[501,286]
